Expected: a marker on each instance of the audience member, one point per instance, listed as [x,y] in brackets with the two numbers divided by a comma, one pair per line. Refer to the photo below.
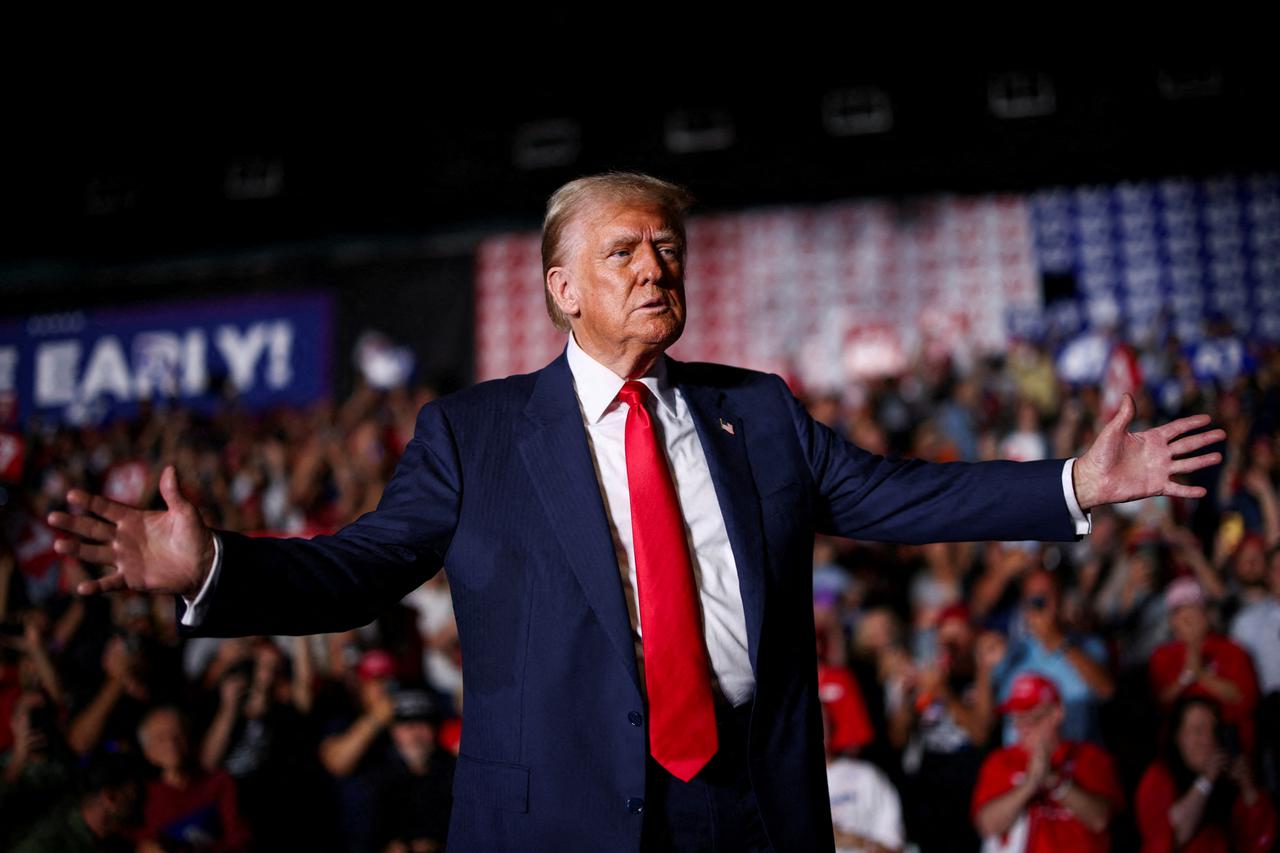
[187,805]
[1202,662]
[1045,792]
[1076,664]
[866,812]
[1200,796]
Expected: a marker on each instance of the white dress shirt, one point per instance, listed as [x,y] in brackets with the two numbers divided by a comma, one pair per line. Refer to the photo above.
[715,572]
[724,621]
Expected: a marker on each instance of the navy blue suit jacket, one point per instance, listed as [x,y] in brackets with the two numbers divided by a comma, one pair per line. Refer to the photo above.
[498,487]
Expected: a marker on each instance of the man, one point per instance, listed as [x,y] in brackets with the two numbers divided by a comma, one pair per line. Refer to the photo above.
[411,779]
[186,804]
[1075,664]
[621,687]
[1257,630]
[1053,793]
[97,820]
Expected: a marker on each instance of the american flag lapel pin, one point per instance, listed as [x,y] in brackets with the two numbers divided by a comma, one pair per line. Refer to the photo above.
[726,426]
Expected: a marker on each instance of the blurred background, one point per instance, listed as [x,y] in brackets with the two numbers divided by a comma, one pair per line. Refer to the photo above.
[265,286]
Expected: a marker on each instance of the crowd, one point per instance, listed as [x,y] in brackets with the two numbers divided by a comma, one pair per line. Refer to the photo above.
[1121,691]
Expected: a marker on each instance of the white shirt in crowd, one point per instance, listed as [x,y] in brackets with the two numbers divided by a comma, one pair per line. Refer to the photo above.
[864,802]
[1257,629]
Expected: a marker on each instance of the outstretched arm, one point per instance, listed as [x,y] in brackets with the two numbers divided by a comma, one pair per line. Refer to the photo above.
[866,496]
[281,586]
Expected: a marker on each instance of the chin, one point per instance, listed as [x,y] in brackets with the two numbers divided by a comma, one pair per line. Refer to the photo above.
[668,333]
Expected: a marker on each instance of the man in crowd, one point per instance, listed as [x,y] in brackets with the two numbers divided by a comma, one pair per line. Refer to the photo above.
[186,805]
[1257,630]
[629,541]
[1075,664]
[97,820]
[1054,793]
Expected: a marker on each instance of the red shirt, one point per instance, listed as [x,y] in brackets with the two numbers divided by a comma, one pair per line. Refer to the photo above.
[1224,659]
[1053,826]
[204,812]
[842,700]
[1253,827]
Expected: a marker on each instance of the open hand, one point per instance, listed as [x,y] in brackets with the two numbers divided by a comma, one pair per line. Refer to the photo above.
[150,551]
[1123,466]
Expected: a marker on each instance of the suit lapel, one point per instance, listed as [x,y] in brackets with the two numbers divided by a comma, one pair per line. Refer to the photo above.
[553,442]
[723,432]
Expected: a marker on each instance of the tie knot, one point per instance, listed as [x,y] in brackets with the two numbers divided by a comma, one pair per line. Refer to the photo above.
[633,393]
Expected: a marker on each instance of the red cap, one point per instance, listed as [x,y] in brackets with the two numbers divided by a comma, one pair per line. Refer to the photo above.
[958,610]
[375,663]
[1030,690]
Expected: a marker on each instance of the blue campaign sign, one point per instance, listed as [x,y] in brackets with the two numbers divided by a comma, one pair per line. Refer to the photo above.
[95,365]
[1221,359]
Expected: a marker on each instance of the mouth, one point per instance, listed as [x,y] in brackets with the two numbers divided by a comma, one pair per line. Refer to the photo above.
[655,306]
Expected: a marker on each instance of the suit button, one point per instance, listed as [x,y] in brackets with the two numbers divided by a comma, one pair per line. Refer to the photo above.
[635,805]
[635,717]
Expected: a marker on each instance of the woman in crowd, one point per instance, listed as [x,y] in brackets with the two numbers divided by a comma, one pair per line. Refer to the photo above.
[1201,795]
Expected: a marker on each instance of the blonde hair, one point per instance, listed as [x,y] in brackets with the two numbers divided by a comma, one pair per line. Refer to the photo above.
[566,203]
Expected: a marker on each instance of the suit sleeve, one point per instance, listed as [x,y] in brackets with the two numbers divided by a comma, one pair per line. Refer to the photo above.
[862,495]
[342,581]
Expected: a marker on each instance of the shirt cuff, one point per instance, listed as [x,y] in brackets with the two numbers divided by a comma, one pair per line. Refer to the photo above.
[1082,520]
[197,606]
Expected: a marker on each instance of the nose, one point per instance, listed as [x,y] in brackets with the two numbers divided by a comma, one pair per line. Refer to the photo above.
[652,265]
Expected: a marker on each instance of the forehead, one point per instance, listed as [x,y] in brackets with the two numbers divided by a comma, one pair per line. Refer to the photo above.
[608,219]
[1031,716]
[1197,716]
[1037,584]
[162,722]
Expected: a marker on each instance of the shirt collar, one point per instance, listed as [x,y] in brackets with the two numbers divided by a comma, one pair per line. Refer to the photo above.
[598,386]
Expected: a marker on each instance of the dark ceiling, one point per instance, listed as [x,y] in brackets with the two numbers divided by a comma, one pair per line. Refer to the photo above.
[108,177]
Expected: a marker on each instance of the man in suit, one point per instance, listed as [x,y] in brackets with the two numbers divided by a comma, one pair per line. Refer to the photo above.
[629,543]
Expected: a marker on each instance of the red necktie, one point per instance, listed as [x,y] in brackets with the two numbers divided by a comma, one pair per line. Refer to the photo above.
[682,720]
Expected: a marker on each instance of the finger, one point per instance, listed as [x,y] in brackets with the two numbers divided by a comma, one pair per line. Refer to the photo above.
[1181,425]
[1123,416]
[1194,463]
[169,488]
[113,582]
[88,551]
[1197,441]
[1177,490]
[98,505]
[86,526]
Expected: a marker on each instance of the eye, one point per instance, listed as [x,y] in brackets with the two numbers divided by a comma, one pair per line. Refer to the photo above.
[670,251]
[620,253]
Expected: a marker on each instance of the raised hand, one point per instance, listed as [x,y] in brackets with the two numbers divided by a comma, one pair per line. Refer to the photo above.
[1123,466]
[160,552]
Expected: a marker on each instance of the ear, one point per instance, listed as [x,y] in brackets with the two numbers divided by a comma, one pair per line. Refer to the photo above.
[563,291]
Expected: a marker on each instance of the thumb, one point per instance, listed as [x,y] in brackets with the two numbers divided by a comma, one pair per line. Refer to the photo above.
[1124,414]
[169,490]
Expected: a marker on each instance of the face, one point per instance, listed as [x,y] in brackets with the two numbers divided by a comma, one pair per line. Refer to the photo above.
[622,286]
[1039,602]
[163,741]
[413,737]
[1189,623]
[1195,737]
[1039,726]
[1250,563]
[955,638]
